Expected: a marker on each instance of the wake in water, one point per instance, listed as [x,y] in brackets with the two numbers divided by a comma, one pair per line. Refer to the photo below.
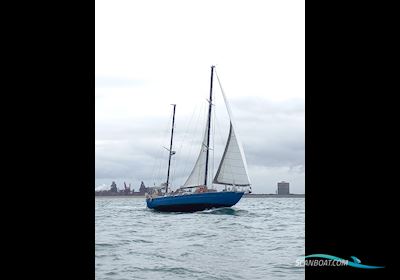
[213,211]
[225,211]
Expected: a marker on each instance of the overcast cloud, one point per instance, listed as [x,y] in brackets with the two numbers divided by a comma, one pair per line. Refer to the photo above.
[150,54]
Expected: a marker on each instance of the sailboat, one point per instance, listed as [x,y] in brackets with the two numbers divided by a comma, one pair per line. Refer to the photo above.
[198,193]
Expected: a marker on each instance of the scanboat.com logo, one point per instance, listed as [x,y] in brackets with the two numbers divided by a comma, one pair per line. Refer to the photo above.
[328,260]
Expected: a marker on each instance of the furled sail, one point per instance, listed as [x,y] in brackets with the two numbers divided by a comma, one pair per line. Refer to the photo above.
[232,169]
[197,176]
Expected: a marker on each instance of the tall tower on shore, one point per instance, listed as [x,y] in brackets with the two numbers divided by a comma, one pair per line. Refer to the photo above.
[283,188]
[142,188]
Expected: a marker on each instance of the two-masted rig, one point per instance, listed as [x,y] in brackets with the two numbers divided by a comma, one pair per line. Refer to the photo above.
[198,193]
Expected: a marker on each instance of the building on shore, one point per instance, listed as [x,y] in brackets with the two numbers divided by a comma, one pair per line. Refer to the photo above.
[113,187]
[125,191]
[283,188]
[142,189]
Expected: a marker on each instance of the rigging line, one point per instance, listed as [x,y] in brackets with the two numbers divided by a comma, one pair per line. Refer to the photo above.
[222,141]
[156,160]
[166,140]
[181,140]
[203,145]
[180,153]
[159,160]
[172,174]
[175,176]
[238,142]
[185,157]
[213,142]
[199,171]
[193,143]
[228,165]
[160,163]
[216,118]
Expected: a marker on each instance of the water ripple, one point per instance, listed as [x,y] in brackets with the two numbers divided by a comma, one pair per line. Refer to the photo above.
[259,238]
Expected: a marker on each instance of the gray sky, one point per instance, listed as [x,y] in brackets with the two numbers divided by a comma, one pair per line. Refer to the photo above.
[151,53]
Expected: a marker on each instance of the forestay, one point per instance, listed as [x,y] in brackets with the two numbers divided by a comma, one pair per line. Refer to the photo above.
[233,167]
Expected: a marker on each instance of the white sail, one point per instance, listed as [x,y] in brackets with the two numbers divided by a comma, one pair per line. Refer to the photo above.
[197,176]
[232,170]
[233,167]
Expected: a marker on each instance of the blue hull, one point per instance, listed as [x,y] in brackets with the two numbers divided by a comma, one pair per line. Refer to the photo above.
[194,202]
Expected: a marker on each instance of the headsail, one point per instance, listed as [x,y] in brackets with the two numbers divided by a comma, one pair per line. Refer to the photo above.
[233,167]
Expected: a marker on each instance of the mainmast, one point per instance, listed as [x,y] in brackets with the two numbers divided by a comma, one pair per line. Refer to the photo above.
[170,147]
[209,124]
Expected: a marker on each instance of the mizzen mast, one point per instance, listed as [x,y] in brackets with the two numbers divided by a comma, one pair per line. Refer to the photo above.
[171,152]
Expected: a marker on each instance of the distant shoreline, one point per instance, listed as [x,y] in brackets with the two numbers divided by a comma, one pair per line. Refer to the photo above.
[253,195]
[273,195]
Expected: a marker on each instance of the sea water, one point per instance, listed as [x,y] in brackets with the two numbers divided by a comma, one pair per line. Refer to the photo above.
[258,238]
